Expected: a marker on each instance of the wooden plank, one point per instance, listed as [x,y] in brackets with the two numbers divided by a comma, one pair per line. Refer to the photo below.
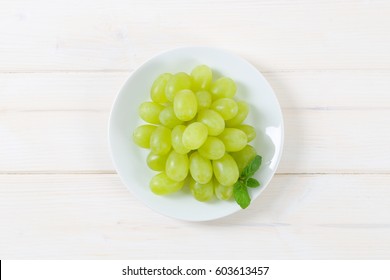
[54,141]
[336,141]
[59,91]
[95,217]
[315,141]
[326,90]
[332,90]
[274,35]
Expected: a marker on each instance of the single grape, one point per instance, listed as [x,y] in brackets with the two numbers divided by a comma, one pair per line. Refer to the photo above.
[244,157]
[185,105]
[226,170]
[177,143]
[226,107]
[176,166]
[248,130]
[168,118]
[213,148]
[141,135]
[204,99]
[222,192]
[200,168]
[177,82]
[150,111]
[233,139]
[202,192]
[223,87]
[242,113]
[214,122]
[160,140]
[201,77]
[156,162]
[157,92]
[194,135]
[161,184]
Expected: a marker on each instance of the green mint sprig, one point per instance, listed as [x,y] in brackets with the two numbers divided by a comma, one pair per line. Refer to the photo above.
[240,188]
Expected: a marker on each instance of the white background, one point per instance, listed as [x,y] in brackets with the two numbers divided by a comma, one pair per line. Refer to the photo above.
[62,63]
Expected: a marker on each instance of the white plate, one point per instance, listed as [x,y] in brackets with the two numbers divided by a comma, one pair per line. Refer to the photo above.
[130,161]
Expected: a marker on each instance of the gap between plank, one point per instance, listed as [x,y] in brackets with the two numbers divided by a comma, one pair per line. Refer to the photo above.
[338,108]
[54,172]
[124,71]
[317,108]
[107,172]
[331,173]
[65,71]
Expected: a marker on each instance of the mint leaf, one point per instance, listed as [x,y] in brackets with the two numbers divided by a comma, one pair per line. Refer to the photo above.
[252,167]
[240,188]
[241,195]
[252,183]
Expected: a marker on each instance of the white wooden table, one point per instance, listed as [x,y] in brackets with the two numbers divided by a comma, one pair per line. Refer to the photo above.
[62,63]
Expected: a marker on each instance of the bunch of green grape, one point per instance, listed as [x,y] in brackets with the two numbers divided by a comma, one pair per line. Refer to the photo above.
[195,134]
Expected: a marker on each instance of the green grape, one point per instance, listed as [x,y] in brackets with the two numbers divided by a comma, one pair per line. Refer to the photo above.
[177,82]
[244,157]
[168,118]
[202,192]
[161,184]
[226,170]
[223,87]
[190,111]
[213,148]
[204,99]
[226,107]
[243,110]
[160,140]
[185,105]
[233,139]
[150,111]
[141,135]
[249,131]
[176,166]
[177,143]
[201,77]
[222,192]
[157,92]
[200,168]
[194,135]
[214,122]
[156,162]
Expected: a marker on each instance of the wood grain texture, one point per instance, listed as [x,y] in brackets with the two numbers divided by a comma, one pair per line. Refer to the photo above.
[94,216]
[119,35]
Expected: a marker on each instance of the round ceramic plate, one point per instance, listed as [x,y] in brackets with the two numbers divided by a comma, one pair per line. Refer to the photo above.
[130,160]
